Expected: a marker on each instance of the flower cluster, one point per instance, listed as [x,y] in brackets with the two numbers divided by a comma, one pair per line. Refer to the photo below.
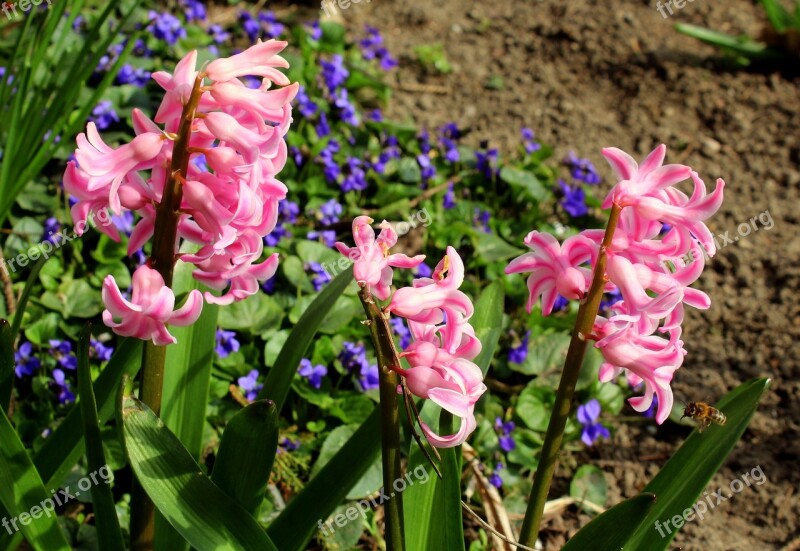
[658,227]
[226,197]
[442,341]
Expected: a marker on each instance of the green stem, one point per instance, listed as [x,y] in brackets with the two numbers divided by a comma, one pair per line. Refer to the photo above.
[390,419]
[162,259]
[587,314]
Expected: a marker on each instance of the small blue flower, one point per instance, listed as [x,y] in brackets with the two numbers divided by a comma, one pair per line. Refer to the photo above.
[26,363]
[486,163]
[128,74]
[356,178]
[289,445]
[507,443]
[422,270]
[270,24]
[166,26]
[334,73]
[305,105]
[573,200]
[481,218]
[227,343]
[194,10]
[251,27]
[400,329]
[427,169]
[424,139]
[218,34]
[519,353]
[314,30]
[100,351]
[250,385]
[124,222]
[323,128]
[321,275]
[588,414]
[347,111]
[369,377]
[330,212]
[609,300]
[52,227]
[494,478]
[62,352]
[529,141]
[61,384]
[582,169]
[372,48]
[328,237]
[376,115]
[269,285]
[314,373]
[103,115]
[288,211]
[560,303]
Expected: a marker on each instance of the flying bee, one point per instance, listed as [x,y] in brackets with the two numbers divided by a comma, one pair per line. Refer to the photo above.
[704,414]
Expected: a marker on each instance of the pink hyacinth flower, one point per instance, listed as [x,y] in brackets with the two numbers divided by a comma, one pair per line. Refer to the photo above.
[648,189]
[555,268]
[150,309]
[650,359]
[261,59]
[372,263]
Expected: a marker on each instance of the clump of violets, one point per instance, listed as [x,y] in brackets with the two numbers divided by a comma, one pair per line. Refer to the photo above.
[639,335]
[224,205]
[437,314]
[504,430]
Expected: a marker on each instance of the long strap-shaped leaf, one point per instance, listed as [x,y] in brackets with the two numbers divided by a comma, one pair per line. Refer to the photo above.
[186,382]
[201,512]
[109,536]
[247,453]
[279,379]
[30,507]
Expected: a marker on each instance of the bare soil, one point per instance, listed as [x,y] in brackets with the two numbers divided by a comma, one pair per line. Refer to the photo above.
[585,75]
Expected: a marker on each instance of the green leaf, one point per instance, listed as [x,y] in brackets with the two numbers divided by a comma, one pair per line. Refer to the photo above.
[6,364]
[109,535]
[22,304]
[535,405]
[433,509]
[780,19]
[186,386]
[491,247]
[295,526]
[488,322]
[247,453]
[372,478]
[22,493]
[745,47]
[612,529]
[522,180]
[589,484]
[545,353]
[680,482]
[201,512]
[279,379]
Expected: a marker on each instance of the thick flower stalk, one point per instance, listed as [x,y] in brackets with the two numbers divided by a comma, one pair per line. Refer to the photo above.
[642,255]
[444,343]
[203,173]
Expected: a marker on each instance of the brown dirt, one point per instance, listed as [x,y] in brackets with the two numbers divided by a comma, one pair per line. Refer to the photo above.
[591,74]
[587,75]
